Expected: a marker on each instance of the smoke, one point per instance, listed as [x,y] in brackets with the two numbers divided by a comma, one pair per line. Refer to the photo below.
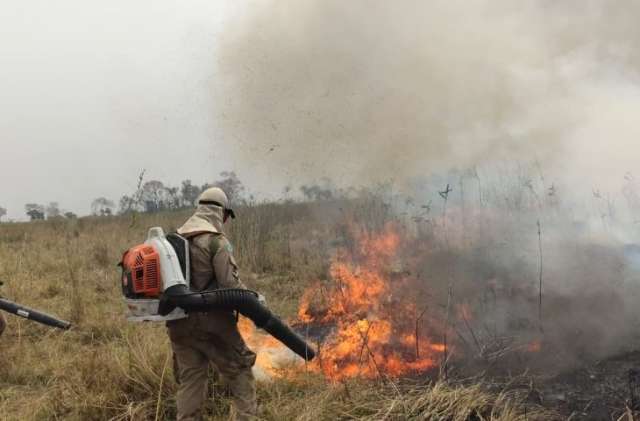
[363,91]
[367,91]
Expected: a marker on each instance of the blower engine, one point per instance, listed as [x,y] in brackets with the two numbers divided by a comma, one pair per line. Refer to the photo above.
[148,270]
[155,284]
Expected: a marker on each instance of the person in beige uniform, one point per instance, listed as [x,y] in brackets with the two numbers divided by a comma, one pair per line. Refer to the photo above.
[211,338]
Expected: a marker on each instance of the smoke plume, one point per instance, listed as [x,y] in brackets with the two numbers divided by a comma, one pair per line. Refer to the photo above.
[363,91]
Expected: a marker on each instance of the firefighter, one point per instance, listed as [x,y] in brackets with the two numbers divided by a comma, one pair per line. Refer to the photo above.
[213,337]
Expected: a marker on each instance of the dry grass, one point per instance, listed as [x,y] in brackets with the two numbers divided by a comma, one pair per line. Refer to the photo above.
[105,368]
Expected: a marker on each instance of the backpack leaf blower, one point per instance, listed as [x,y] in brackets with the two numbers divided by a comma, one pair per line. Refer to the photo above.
[155,284]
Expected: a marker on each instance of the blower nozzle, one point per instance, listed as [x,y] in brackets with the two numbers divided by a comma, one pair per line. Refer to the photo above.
[36,316]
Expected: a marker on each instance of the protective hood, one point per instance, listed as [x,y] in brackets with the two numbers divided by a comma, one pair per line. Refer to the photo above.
[207,218]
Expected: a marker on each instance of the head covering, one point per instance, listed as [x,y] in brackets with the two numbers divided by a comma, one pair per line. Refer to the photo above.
[207,218]
[209,215]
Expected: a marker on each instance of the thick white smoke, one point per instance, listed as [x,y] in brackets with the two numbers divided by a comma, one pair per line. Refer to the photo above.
[362,91]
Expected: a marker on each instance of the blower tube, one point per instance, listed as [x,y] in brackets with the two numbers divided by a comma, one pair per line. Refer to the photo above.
[36,316]
[241,300]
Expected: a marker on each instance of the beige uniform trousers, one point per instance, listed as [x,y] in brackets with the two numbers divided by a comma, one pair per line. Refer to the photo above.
[194,351]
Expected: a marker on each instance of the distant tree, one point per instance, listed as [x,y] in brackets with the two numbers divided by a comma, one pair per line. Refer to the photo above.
[206,186]
[70,215]
[125,205]
[102,206]
[52,210]
[631,192]
[189,193]
[3,212]
[173,198]
[316,193]
[35,211]
[231,185]
[154,196]
[324,190]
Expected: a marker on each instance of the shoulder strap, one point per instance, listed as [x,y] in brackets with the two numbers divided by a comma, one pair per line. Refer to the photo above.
[181,247]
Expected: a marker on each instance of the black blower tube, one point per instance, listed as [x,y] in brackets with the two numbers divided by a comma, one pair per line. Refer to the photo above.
[36,316]
[241,300]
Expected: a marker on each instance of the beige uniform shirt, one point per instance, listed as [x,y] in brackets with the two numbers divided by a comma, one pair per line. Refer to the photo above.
[212,267]
[212,263]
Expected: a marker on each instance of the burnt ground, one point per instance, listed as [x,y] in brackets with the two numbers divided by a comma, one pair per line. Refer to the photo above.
[602,390]
[608,389]
[587,389]
[592,390]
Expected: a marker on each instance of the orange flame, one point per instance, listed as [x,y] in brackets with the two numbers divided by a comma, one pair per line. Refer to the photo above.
[534,346]
[375,329]
[375,332]
[273,359]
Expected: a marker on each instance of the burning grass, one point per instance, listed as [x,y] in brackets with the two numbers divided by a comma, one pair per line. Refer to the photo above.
[375,300]
[375,329]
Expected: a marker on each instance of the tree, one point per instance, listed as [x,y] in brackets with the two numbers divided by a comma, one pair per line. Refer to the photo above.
[53,210]
[231,185]
[316,193]
[324,190]
[3,212]
[70,215]
[189,193]
[173,198]
[154,196]
[35,211]
[102,206]
[125,205]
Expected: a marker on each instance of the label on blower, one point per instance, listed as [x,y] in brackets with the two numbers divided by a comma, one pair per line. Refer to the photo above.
[23,313]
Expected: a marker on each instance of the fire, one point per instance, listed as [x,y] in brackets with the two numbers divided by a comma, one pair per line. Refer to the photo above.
[369,316]
[374,318]
[534,346]
[272,358]
[375,328]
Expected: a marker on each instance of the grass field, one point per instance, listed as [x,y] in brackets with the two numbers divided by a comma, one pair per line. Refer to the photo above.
[105,368]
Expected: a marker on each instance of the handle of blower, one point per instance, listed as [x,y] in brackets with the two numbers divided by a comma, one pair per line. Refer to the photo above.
[36,316]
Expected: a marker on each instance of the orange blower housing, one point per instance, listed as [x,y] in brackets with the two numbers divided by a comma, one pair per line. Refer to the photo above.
[141,272]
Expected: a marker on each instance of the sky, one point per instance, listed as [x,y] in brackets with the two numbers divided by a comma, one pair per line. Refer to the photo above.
[286,92]
[94,92]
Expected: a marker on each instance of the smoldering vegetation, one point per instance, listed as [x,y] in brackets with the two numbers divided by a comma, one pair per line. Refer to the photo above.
[518,272]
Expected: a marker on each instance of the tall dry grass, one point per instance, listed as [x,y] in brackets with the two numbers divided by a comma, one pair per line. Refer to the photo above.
[105,368]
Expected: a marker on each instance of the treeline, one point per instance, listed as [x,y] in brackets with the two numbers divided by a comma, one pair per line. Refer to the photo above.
[150,196]
[155,196]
